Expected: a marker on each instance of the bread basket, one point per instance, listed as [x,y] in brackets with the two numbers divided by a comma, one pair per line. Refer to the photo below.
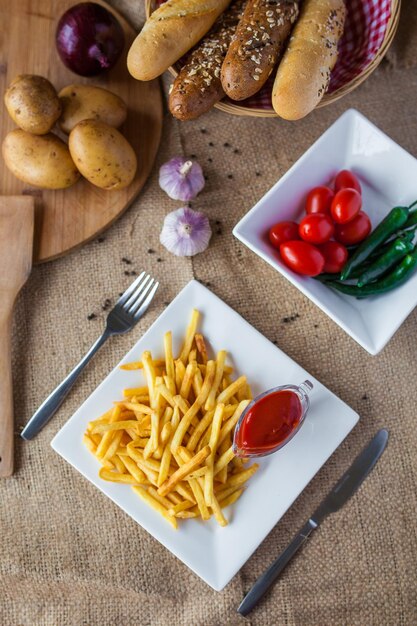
[369,30]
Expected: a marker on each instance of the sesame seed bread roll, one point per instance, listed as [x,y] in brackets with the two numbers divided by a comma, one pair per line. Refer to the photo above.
[173,29]
[198,86]
[304,72]
[257,45]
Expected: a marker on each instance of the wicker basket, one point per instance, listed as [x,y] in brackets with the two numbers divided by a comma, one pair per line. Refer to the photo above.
[240,108]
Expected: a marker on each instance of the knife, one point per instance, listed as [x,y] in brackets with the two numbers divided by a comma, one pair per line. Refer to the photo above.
[341,492]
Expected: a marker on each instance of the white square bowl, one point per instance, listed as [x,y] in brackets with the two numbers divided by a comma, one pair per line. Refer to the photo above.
[388,177]
[215,553]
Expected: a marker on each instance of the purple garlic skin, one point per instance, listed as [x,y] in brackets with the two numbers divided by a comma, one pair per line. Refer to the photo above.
[185,232]
[181,178]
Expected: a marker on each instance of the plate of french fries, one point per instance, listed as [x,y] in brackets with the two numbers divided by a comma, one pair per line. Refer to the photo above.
[156,435]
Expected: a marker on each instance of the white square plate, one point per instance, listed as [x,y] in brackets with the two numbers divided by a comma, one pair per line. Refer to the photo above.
[212,552]
[387,174]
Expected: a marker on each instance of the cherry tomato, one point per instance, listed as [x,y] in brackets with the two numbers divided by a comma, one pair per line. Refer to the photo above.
[346,178]
[316,228]
[354,231]
[283,231]
[335,256]
[302,257]
[319,200]
[346,205]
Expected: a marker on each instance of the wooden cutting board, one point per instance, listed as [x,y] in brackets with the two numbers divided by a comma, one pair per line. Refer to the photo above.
[65,219]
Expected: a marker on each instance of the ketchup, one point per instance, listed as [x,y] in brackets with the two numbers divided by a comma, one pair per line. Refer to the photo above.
[269,422]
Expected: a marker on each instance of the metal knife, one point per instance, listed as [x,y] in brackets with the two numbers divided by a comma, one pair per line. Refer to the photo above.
[341,492]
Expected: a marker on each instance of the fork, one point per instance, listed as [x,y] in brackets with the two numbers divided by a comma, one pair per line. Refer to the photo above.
[123,317]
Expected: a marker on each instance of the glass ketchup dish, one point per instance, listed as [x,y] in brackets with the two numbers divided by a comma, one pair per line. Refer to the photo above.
[271,420]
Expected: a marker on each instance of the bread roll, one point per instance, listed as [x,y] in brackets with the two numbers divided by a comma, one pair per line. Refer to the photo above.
[304,72]
[257,46]
[173,29]
[198,87]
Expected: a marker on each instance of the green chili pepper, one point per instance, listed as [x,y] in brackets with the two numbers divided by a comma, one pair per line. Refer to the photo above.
[357,272]
[393,255]
[395,220]
[412,219]
[382,249]
[324,278]
[394,279]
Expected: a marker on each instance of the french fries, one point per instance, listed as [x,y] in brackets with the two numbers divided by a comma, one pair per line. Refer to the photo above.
[170,437]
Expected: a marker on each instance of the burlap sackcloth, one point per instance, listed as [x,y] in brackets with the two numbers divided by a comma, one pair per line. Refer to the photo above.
[69,556]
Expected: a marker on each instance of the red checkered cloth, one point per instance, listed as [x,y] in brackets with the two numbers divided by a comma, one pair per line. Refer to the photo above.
[364,33]
[366,24]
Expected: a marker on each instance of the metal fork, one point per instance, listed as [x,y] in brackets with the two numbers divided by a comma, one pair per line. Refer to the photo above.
[126,313]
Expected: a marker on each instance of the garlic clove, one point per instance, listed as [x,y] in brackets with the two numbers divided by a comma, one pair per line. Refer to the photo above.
[185,232]
[181,178]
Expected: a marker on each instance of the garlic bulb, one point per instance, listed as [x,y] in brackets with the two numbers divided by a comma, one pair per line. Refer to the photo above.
[185,232]
[182,179]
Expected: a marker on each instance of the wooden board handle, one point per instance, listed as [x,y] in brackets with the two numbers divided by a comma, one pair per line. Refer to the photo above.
[6,397]
[16,242]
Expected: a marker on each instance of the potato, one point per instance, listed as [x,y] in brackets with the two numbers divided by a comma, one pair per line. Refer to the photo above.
[84,102]
[43,161]
[102,154]
[33,103]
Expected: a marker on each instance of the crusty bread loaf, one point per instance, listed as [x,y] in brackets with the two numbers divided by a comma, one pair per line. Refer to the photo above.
[173,29]
[304,72]
[257,46]
[198,86]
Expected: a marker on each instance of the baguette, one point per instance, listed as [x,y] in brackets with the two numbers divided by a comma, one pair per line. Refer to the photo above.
[198,86]
[257,45]
[173,29]
[304,72]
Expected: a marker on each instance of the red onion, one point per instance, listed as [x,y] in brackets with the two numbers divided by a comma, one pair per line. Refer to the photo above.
[89,39]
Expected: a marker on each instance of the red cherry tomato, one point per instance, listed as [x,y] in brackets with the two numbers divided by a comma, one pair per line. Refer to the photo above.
[319,200]
[316,228]
[346,178]
[335,256]
[346,205]
[302,257]
[355,231]
[283,231]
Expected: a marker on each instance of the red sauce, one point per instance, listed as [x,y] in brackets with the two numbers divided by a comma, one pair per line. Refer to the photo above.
[269,422]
